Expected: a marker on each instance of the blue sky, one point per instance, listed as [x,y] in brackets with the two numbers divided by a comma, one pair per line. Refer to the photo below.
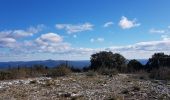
[75,29]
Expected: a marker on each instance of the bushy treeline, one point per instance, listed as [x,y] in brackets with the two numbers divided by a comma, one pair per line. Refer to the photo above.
[157,61]
[158,66]
[36,71]
[105,63]
[113,61]
[23,72]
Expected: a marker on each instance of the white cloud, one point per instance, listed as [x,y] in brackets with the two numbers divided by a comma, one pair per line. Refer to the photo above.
[18,33]
[125,23]
[165,37]
[55,48]
[107,24]
[61,26]
[143,49]
[147,46]
[97,40]
[83,51]
[52,37]
[137,50]
[70,28]
[165,31]
[157,31]
[7,40]
[51,42]
[100,39]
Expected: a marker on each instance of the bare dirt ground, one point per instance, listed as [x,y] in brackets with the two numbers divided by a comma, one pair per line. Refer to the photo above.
[79,86]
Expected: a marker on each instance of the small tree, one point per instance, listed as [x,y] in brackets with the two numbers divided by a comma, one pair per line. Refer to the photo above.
[158,60]
[134,65]
[107,60]
[120,62]
[102,59]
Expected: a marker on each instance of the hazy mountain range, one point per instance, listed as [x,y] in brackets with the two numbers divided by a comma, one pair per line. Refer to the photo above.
[52,63]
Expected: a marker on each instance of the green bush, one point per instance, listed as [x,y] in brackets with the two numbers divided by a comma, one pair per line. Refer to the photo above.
[60,71]
[23,72]
[91,73]
[134,66]
[106,71]
[163,73]
[5,75]
[107,60]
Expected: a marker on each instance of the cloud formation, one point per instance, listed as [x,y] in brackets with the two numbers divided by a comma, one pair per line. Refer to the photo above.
[8,38]
[108,24]
[165,33]
[165,37]
[54,44]
[70,28]
[50,37]
[51,42]
[160,31]
[157,31]
[125,23]
[7,42]
[19,33]
[99,39]
[143,49]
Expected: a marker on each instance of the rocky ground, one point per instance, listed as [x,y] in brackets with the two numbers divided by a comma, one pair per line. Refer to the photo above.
[80,86]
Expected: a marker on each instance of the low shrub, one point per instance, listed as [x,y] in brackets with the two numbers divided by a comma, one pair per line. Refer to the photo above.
[142,74]
[60,71]
[91,73]
[106,71]
[5,75]
[163,73]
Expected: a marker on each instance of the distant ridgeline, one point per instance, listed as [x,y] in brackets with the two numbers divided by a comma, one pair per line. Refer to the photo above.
[48,63]
[53,63]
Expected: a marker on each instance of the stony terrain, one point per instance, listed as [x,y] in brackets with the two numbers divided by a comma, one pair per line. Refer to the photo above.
[79,86]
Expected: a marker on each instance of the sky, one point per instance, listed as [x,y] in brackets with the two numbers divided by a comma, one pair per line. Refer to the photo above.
[75,29]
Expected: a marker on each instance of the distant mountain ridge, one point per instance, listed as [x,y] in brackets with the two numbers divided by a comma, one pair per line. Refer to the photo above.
[49,63]
[143,61]
[53,63]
